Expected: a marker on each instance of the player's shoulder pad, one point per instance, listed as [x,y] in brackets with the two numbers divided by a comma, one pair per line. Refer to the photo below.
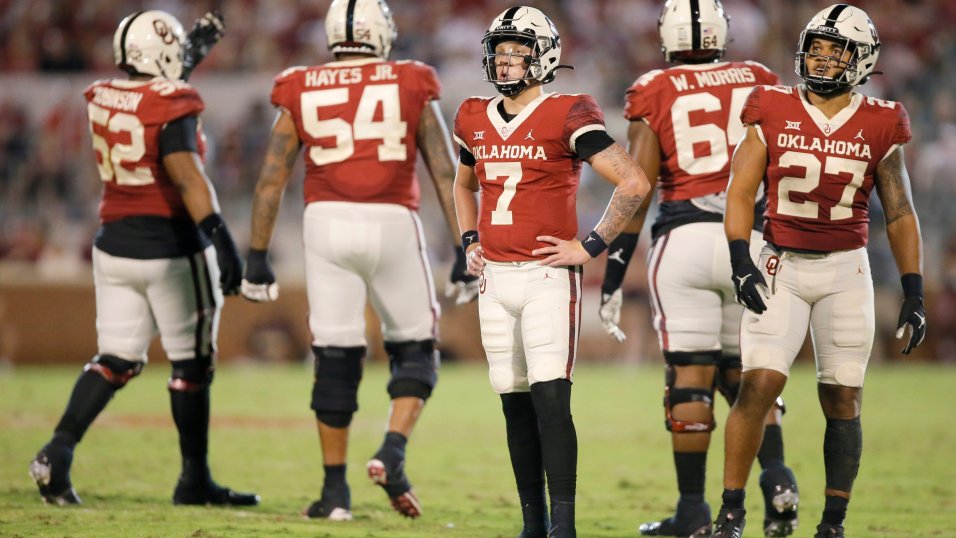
[474,103]
[288,73]
[758,65]
[880,104]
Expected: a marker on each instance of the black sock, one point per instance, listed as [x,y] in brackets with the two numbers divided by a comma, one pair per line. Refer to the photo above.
[691,475]
[392,451]
[559,441]
[733,499]
[842,448]
[524,447]
[834,511]
[334,476]
[771,449]
[191,414]
[91,393]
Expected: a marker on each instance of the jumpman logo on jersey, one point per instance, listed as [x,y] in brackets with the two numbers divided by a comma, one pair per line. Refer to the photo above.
[528,136]
[859,135]
[617,256]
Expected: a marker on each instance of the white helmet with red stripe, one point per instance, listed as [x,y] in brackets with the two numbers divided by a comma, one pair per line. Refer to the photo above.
[363,26]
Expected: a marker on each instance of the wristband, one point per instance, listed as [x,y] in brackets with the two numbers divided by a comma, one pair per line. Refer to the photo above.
[912,285]
[467,238]
[739,249]
[212,224]
[256,255]
[593,244]
[620,250]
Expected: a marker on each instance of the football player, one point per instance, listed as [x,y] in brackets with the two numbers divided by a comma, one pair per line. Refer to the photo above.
[819,149]
[523,150]
[683,123]
[154,268]
[362,120]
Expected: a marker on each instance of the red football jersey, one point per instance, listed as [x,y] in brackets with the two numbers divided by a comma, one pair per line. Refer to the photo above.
[358,121]
[527,169]
[695,112]
[126,118]
[820,170]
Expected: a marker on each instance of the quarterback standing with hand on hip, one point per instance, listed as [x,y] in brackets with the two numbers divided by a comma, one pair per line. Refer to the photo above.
[819,149]
[153,270]
[362,120]
[672,113]
[523,150]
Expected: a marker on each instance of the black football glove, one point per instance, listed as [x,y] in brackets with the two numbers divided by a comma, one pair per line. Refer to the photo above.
[207,31]
[461,285]
[912,314]
[619,254]
[750,287]
[230,265]
[259,284]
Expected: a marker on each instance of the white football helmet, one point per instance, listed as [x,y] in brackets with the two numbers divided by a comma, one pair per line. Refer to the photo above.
[150,43]
[852,28]
[693,31]
[364,26]
[530,27]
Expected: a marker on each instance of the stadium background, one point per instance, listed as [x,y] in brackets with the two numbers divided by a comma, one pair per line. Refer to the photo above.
[51,49]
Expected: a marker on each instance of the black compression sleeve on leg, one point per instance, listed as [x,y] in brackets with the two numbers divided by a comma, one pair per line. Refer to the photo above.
[842,448]
[771,449]
[524,447]
[90,395]
[559,441]
[691,474]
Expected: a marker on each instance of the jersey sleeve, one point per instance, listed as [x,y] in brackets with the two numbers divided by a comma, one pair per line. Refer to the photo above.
[752,113]
[763,74]
[637,102]
[584,116]
[185,101]
[902,133]
[458,133]
[428,78]
[283,90]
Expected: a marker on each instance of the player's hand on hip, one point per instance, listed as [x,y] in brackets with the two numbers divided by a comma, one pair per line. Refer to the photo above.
[475,259]
[750,287]
[913,321]
[259,284]
[610,314]
[561,252]
[461,285]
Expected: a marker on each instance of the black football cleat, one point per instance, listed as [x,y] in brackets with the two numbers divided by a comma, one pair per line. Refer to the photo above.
[826,530]
[209,493]
[535,522]
[50,469]
[396,485]
[730,523]
[562,520]
[334,505]
[781,498]
[692,520]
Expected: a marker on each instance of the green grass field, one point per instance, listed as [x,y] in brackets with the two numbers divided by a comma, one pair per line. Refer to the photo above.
[264,439]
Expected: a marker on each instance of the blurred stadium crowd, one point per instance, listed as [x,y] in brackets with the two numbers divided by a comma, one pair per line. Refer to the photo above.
[49,189]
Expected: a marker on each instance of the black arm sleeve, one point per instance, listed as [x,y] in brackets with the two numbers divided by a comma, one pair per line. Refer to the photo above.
[591,143]
[466,157]
[178,135]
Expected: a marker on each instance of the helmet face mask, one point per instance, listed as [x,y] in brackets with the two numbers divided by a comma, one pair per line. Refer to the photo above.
[361,27]
[150,43]
[853,33]
[693,32]
[531,28]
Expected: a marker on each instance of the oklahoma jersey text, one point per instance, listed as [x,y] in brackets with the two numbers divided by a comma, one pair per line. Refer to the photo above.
[527,169]
[820,170]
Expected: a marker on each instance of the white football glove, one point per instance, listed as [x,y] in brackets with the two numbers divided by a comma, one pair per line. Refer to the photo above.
[464,292]
[260,293]
[610,314]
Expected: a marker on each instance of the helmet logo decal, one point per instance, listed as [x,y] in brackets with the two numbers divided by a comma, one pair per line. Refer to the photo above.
[162,30]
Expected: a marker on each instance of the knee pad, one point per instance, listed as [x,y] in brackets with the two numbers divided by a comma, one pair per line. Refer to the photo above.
[338,372]
[115,370]
[729,389]
[191,375]
[674,396]
[414,367]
